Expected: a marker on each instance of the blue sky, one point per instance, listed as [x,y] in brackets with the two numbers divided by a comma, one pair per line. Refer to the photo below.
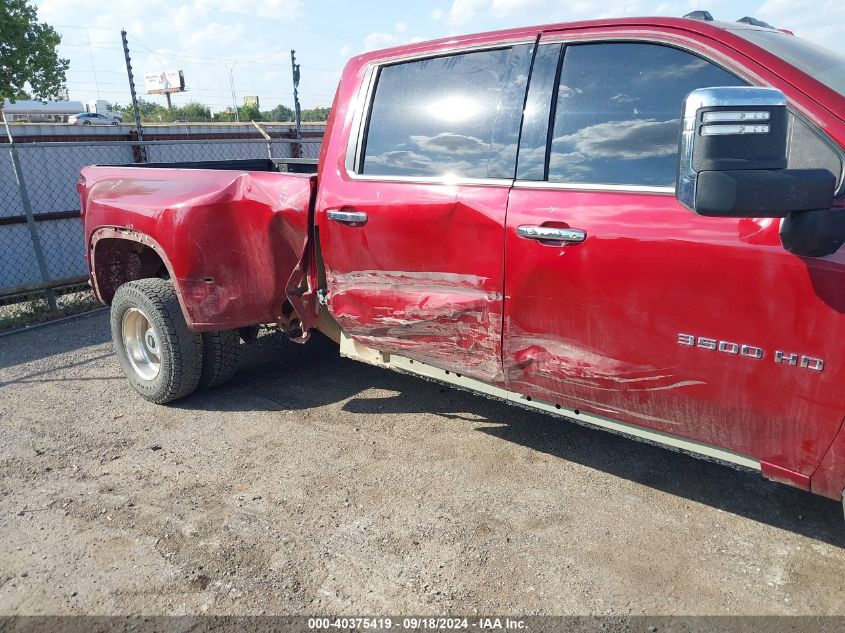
[206,38]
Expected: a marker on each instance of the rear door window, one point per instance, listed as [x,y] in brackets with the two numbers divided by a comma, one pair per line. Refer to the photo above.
[453,116]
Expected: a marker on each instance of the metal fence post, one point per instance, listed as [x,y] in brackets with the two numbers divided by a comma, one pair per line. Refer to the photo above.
[266,138]
[30,219]
[142,150]
[295,72]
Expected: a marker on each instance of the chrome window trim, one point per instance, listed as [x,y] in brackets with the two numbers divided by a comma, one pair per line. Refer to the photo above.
[361,117]
[360,105]
[566,186]
[437,180]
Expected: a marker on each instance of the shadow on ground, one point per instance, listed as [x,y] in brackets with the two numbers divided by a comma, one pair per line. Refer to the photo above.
[288,377]
[285,376]
[51,339]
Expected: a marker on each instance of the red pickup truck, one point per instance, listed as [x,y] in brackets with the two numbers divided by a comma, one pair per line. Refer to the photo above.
[633,223]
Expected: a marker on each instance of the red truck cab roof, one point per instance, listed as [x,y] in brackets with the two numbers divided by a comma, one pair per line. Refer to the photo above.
[728,34]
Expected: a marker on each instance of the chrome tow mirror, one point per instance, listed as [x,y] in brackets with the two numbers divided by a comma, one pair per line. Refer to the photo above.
[733,157]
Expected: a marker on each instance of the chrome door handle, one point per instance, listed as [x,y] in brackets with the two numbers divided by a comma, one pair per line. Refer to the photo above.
[349,218]
[551,234]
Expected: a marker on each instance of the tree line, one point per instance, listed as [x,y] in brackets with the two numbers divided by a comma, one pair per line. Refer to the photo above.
[197,112]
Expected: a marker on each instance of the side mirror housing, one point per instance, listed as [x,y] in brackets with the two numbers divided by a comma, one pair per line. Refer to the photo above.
[732,158]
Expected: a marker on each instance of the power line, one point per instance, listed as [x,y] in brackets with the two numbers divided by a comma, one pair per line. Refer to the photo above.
[187,57]
[83,45]
[338,35]
[220,60]
[99,72]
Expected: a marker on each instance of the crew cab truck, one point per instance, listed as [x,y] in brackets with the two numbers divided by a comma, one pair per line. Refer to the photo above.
[632,223]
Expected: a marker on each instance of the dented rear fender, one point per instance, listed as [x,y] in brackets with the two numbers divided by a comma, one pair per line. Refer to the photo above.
[232,240]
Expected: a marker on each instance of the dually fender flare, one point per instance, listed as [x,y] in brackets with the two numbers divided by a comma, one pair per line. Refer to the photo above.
[118,233]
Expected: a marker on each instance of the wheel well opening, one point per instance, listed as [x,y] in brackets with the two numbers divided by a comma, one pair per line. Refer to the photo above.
[117,261]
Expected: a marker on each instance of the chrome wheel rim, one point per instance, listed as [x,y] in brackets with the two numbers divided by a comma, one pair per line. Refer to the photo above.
[141,343]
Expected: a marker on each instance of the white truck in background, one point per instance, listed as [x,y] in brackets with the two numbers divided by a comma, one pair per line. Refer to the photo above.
[101,106]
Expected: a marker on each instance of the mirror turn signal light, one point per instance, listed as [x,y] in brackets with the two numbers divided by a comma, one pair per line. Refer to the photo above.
[723,116]
[717,130]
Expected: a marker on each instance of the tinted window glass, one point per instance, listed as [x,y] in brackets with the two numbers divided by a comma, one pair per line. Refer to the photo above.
[618,112]
[506,129]
[436,117]
[808,151]
[820,63]
[535,126]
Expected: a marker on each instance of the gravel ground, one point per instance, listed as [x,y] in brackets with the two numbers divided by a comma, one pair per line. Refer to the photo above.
[314,484]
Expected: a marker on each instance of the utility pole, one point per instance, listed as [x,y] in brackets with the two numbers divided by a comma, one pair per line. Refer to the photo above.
[232,86]
[135,109]
[296,109]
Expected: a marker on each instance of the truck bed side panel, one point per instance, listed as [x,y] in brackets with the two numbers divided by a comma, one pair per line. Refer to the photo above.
[230,240]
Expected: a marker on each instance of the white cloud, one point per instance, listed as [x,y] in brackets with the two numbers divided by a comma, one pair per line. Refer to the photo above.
[819,21]
[464,10]
[284,9]
[451,144]
[214,35]
[165,16]
[385,39]
[437,14]
[377,40]
[528,11]
[644,138]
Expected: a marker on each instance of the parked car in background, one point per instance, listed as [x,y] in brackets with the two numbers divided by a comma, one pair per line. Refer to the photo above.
[635,224]
[92,118]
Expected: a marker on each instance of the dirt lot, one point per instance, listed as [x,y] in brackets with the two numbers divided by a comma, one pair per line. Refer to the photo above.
[313,484]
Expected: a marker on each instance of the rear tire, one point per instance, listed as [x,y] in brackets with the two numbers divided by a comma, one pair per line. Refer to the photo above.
[220,354]
[160,356]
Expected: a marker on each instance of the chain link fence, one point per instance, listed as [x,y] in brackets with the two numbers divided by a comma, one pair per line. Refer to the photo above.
[43,275]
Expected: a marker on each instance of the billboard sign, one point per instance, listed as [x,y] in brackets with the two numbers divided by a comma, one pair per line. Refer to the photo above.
[251,101]
[164,82]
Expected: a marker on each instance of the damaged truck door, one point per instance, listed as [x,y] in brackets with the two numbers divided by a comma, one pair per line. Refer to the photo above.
[419,268]
[596,320]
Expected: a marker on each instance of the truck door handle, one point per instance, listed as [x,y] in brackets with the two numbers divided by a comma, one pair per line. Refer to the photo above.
[551,234]
[349,218]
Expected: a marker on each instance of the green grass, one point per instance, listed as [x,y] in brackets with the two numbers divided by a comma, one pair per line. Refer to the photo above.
[31,309]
